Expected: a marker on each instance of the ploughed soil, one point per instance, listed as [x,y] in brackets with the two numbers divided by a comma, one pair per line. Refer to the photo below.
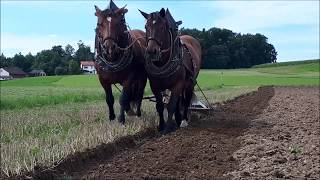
[271,133]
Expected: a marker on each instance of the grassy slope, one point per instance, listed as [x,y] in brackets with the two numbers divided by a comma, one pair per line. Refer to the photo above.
[39,91]
[287,63]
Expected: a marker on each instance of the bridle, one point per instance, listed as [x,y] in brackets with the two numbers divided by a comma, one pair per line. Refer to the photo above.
[170,48]
[109,38]
[125,59]
[169,68]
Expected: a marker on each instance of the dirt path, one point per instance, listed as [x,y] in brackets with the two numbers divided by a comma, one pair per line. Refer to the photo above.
[284,141]
[241,138]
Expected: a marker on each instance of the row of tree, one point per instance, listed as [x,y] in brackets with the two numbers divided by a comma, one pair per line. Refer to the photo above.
[222,48]
[56,61]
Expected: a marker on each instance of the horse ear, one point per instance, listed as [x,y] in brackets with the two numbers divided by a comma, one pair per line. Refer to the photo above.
[178,23]
[98,11]
[145,15]
[122,10]
[162,12]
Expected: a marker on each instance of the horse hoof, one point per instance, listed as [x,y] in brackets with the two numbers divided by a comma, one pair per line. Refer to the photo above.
[170,128]
[112,117]
[184,123]
[178,123]
[121,120]
[139,114]
[161,128]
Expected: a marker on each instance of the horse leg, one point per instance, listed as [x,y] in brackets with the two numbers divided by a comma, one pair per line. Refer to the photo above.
[139,102]
[124,104]
[172,107]
[141,87]
[160,108]
[109,101]
[188,98]
[177,114]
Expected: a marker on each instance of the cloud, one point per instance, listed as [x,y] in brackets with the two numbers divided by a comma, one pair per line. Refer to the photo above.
[247,16]
[13,43]
[291,26]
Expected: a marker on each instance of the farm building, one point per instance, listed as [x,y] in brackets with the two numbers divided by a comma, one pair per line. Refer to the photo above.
[37,72]
[11,72]
[88,67]
[4,75]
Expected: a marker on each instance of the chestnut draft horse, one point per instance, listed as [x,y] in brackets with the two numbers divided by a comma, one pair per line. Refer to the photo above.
[172,62]
[119,57]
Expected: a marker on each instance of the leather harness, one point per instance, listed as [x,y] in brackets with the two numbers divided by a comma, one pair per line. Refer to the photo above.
[174,63]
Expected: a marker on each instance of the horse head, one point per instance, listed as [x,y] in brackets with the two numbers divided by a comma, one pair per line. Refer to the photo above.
[111,29]
[161,33]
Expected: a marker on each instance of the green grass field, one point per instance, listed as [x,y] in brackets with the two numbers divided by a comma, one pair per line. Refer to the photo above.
[40,91]
[43,119]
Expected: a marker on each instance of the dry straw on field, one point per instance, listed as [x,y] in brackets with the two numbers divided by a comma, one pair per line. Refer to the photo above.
[44,135]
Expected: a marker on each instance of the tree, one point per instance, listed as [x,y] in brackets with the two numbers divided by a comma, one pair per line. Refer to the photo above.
[19,60]
[83,52]
[222,48]
[60,71]
[74,67]
[43,60]
[217,56]
[5,61]
[69,50]
[29,60]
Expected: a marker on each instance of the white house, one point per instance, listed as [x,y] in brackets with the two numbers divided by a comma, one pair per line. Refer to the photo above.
[4,75]
[88,67]
[12,72]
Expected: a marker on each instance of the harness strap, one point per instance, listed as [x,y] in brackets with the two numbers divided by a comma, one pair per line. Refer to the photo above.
[191,71]
[108,66]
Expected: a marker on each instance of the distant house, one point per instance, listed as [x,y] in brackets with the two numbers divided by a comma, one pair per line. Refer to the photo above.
[11,72]
[4,75]
[37,72]
[88,67]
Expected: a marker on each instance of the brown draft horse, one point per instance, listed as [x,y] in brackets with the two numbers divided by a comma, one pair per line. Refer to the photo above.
[172,62]
[119,57]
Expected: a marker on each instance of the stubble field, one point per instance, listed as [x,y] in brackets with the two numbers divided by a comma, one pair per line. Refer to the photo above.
[44,120]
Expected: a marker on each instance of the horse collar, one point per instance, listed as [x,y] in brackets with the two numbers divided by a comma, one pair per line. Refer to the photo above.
[167,70]
[109,66]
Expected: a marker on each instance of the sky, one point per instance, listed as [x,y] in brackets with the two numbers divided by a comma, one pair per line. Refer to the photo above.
[291,26]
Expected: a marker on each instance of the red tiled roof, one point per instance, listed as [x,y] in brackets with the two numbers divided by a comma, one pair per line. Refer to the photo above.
[87,63]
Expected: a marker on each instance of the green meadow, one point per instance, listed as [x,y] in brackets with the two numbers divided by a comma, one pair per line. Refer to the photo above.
[41,91]
[44,119]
